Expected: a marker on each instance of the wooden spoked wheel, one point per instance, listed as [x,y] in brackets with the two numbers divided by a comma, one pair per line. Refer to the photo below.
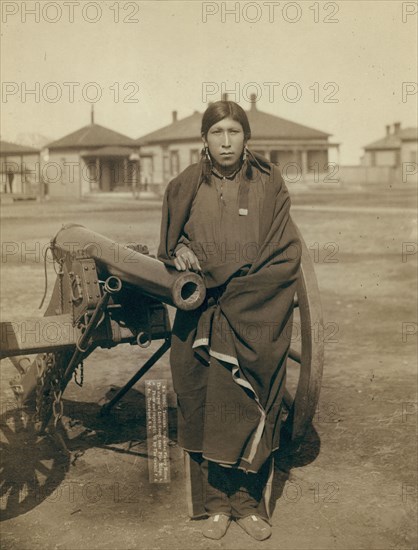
[31,468]
[306,354]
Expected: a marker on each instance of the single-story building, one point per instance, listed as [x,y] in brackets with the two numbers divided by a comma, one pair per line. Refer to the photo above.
[19,169]
[392,159]
[389,161]
[298,150]
[397,147]
[91,159]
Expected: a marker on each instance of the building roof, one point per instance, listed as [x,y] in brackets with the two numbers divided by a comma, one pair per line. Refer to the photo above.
[92,135]
[7,148]
[393,141]
[266,126]
[263,126]
[110,151]
[185,129]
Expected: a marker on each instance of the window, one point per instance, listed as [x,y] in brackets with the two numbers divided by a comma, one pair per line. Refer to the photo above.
[373,158]
[194,156]
[165,164]
[174,163]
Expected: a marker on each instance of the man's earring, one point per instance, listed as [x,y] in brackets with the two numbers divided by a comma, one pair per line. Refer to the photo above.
[207,153]
[245,155]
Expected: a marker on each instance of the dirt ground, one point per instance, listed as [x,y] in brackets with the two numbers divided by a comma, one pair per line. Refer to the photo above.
[353,482]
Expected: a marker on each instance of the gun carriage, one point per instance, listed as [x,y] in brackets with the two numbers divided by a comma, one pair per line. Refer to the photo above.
[107,294]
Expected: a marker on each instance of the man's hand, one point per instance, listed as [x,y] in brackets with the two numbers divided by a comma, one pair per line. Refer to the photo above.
[186,259]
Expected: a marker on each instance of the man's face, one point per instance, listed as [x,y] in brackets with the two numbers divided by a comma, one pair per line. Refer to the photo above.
[225,140]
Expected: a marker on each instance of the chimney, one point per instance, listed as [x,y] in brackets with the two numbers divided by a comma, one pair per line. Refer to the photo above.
[387,129]
[396,127]
[224,96]
[174,114]
[253,101]
[92,114]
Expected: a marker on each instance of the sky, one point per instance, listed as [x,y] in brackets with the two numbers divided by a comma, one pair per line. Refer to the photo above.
[348,68]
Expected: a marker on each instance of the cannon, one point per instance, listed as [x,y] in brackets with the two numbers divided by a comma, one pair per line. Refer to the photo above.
[106,294]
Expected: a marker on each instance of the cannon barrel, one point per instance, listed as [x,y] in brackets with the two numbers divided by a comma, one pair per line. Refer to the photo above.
[184,290]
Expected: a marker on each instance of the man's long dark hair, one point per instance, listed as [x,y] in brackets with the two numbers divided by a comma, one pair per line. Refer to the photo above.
[225,109]
[215,113]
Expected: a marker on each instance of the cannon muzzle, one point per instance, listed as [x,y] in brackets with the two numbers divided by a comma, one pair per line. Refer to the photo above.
[184,290]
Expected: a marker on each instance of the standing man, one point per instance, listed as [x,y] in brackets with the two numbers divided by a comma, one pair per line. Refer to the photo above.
[227,217]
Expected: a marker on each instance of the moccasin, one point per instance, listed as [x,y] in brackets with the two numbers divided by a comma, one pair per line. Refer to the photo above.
[255,526]
[216,526]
